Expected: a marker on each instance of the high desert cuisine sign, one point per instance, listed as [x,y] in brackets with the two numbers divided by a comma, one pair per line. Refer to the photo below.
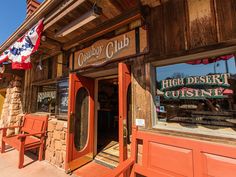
[107,50]
[209,86]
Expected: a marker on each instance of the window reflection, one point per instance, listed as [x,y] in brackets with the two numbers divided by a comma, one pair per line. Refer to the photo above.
[200,92]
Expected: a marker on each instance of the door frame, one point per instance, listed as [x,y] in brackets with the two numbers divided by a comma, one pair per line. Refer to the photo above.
[124,79]
[96,108]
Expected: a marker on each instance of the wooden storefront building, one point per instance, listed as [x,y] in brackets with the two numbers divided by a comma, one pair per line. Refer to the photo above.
[143,87]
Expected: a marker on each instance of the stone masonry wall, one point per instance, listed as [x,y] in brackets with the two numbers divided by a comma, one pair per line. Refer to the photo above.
[56,143]
[12,106]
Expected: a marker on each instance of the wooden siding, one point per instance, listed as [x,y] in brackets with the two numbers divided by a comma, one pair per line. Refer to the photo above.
[35,77]
[180,27]
[174,26]
[141,96]
[202,27]
[225,16]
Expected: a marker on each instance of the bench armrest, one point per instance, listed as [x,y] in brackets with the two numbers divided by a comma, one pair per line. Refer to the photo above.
[21,136]
[4,128]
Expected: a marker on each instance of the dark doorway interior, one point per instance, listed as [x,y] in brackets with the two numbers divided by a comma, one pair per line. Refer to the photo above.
[107,112]
[107,130]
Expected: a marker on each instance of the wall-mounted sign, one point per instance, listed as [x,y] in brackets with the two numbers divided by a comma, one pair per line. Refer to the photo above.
[106,50]
[209,86]
[140,122]
[48,94]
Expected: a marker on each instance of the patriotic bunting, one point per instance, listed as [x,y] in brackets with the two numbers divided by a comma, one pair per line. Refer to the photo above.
[206,61]
[19,53]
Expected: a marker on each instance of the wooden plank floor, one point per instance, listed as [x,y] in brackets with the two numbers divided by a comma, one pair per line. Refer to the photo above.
[109,156]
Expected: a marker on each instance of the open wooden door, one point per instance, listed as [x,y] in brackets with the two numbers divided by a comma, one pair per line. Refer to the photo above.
[124,77]
[80,137]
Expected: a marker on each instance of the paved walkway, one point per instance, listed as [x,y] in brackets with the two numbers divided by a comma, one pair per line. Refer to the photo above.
[33,168]
[92,169]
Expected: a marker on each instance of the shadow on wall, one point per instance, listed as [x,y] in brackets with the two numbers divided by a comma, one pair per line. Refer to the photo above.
[2,97]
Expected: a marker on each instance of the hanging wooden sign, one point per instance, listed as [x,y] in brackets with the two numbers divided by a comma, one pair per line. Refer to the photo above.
[107,50]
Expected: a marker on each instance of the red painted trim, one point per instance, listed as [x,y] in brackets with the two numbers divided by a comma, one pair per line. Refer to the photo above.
[165,156]
[124,79]
[75,83]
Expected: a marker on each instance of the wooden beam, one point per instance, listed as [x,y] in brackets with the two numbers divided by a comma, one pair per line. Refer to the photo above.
[51,41]
[61,12]
[117,5]
[77,23]
[106,27]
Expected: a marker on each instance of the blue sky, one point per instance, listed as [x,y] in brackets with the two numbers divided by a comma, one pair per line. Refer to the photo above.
[12,14]
[196,70]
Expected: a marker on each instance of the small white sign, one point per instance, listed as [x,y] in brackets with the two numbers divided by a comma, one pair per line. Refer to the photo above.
[140,122]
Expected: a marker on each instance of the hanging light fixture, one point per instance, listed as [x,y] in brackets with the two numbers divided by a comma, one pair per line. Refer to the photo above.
[82,20]
[40,65]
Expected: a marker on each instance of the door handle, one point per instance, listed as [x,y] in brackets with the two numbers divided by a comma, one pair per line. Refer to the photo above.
[125,132]
[72,117]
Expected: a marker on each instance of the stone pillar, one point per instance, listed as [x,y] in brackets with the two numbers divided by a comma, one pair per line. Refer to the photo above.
[12,106]
[56,143]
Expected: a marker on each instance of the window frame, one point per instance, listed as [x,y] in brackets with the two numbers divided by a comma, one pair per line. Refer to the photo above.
[155,124]
[57,114]
[37,103]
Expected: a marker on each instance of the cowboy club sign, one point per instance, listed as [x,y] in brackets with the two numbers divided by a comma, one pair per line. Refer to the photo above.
[107,50]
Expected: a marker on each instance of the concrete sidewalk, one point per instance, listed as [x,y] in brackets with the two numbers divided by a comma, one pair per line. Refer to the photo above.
[33,168]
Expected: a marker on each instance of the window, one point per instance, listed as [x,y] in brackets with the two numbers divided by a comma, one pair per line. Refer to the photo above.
[47,98]
[62,94]
[197,94]
[81,118]
[53,98]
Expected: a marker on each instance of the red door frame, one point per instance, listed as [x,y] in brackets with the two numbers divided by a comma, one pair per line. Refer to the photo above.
[124,79]
[75,83]
[75,158]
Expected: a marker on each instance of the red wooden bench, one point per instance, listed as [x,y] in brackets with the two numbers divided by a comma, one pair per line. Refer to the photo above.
[167,155]
[32,135]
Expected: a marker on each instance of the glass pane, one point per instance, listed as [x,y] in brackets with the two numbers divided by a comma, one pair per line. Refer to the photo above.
[81,118]
[63,89]
[46,98]
[200,92]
